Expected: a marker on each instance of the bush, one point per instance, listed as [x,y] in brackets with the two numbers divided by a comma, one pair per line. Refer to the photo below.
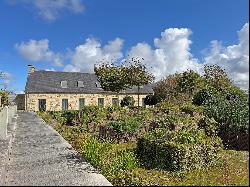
[151,100]
[4,97]
[200,97]
[92,115]
[232,115]
[127,101]
[126,125]
[178,151]
[167,108]
[71,116]
[191,109]
[209,125]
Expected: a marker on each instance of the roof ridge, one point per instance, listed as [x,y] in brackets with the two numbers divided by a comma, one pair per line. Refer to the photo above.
[64,72]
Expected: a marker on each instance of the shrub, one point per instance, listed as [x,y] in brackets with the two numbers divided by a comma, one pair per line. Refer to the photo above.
[95,151]
[151,99]
[58,117]
[4,97]
[178,151]
[191,109]
[127,101]
[93,115]
[209,125]
[167,108]
[200,97]
[71,116]
[232,115]
[126,125]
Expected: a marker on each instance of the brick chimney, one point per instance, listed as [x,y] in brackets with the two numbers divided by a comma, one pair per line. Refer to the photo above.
[31,69]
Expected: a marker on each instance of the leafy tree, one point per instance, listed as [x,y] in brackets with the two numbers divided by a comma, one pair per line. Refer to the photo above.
[138,74]
[112,77]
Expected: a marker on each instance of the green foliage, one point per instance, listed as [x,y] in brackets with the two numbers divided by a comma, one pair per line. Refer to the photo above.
[231,114]
[127,101]
[112,77]
[151,99]
[217,77]
[201,97]
[94,151]
[57,115]
[188,144]
[191,109]
[165,89]
[126,125]
[209,125]
[138,75]
[167,108]
[71,116]
[178,151]
[4,97]
[188,82]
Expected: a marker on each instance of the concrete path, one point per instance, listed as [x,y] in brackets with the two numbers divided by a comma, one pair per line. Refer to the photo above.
[38,155]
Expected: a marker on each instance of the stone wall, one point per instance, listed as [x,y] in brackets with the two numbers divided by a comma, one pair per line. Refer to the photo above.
[54,101]
[20,101]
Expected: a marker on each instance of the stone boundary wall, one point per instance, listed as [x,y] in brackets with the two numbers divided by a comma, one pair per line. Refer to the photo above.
[6,115]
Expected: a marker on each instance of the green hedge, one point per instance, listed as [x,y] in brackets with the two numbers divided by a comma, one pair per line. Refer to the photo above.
[177,151]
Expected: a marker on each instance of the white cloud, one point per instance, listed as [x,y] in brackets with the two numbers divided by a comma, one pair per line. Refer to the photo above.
[38,50]
[50,69]
[171,53]
[234,58]
[91,52]
[50,9]
[5,78]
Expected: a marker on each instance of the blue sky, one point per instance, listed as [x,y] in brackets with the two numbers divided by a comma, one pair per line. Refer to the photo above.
[175,34]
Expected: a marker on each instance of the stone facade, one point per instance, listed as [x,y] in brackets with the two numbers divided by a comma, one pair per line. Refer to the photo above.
[54,100]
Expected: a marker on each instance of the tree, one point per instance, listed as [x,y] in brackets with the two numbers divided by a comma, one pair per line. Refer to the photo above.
[112,77]
[138,75]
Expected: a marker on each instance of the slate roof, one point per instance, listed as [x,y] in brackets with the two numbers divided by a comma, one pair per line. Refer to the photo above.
[50,82]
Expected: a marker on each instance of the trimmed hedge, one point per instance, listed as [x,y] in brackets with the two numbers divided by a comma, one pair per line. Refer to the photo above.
[178,151]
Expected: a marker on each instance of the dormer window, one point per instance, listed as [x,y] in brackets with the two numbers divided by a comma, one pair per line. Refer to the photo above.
[80,84]
[64,84]
[98,85]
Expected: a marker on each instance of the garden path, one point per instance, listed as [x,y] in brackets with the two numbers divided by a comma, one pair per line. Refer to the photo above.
[38,155]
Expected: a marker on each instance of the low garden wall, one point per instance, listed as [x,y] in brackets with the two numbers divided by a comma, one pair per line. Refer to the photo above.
[6,115]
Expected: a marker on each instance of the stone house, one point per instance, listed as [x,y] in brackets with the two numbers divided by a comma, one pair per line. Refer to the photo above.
[55,91]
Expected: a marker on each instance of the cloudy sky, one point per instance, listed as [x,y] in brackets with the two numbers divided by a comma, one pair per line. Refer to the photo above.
[171,35]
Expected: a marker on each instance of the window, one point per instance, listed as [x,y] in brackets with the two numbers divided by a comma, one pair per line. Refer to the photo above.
[65,104]
[115,101]
[81,103]
[80,84]
[64,84]
[42,104]
[143,102]
[101,102]
[98,85]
